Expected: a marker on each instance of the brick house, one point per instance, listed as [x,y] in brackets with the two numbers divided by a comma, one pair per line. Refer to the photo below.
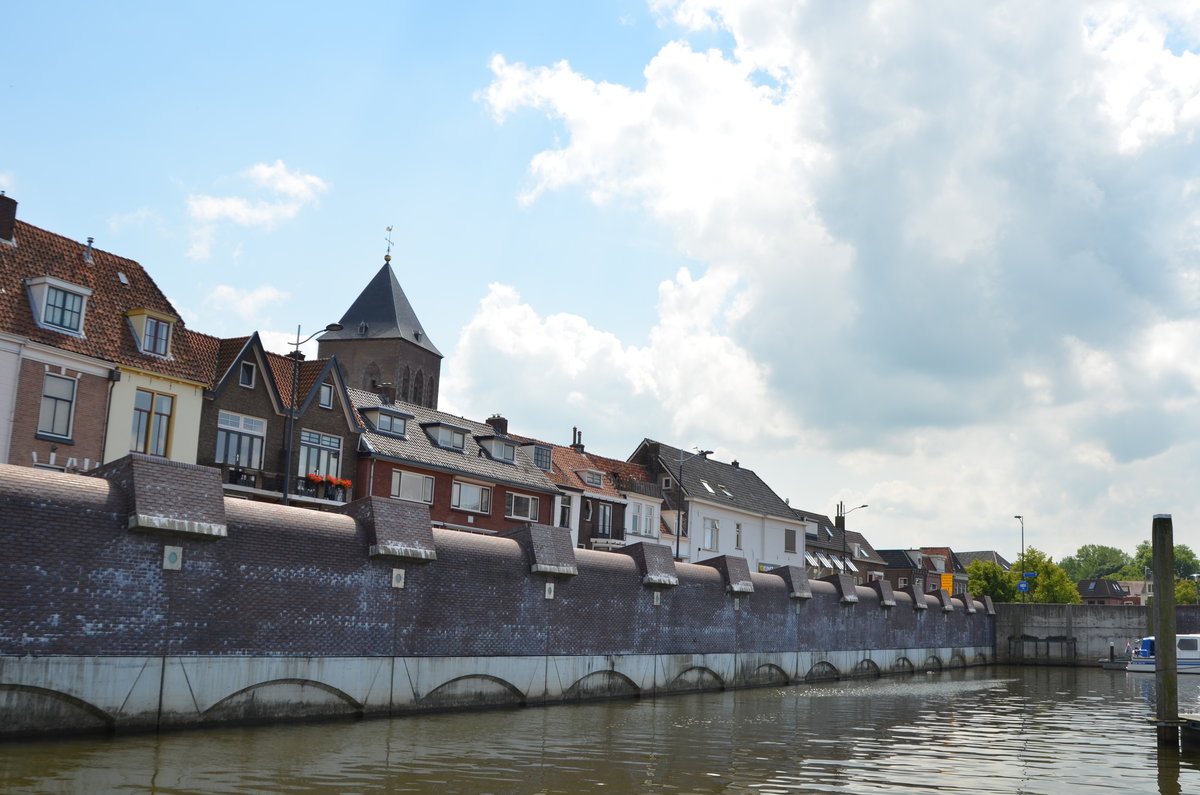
[604,502]
[1106,592]
[722,509]
[245,422]
[99,361]
[473,475]
[383,347]
[831,549]
[927,569]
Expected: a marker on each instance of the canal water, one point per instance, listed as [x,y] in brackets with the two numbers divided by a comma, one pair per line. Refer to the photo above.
[982,730]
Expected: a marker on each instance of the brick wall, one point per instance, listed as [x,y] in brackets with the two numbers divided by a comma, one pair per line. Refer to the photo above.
[88,421]
[286,581]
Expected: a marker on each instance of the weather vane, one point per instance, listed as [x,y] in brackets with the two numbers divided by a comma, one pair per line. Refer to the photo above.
[388,256]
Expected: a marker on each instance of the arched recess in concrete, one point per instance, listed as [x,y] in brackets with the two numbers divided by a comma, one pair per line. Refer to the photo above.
[903,665]
[866,668]
[476,690]
[981,659]
[932,663]
[822,672]
[957,661]
[696,678]
[768,674]
[283,699]
[602,684]
[37,710]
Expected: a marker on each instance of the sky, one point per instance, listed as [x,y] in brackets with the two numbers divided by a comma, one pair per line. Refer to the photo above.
[939,258]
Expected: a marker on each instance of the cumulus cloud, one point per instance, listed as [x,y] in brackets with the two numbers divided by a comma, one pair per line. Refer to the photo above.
[288,191]
[960,240]
[248,305]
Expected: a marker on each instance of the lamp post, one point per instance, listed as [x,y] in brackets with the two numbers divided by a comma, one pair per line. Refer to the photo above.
[679,508]
[1022,521]
[842,513]
[291,423]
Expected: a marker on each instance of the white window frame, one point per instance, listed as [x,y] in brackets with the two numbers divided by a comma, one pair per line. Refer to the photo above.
[604,524]
[39,293]
[593,478]
[503,451]
[711,535]
[383,419]
[229,422]
[325,396]
[789,534]
[329,457]
[414,483]
[483,505]
[651,521]
[564,511]
[635,518]
[445,436]
[247,375]
[737,535]
[55,407]
[514,500]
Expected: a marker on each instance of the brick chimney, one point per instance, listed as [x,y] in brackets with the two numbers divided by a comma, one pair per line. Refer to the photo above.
[8,216]
[499,424]
[577,440]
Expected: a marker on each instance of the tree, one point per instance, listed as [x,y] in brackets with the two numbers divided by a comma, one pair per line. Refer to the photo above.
[1094,562]
[1186,563]
[989,579]
[1051,585]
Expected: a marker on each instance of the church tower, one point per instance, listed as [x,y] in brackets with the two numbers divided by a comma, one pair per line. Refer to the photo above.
[382,346]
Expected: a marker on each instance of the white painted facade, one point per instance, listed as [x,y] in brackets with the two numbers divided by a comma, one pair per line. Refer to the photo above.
[759,538]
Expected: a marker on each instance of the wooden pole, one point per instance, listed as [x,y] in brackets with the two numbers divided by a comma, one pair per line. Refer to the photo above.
[1166,675]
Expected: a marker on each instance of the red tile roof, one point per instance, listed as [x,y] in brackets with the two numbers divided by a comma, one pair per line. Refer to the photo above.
[107,335]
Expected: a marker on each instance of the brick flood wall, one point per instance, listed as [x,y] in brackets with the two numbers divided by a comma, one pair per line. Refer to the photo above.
[146,560]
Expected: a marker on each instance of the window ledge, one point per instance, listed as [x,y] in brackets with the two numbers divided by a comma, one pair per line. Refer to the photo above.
[49,437]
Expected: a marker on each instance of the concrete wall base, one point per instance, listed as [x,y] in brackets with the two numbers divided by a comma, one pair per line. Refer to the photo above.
[56,694]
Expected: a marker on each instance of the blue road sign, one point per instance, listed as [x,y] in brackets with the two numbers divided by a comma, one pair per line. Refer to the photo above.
[1022,586]
[1031,574]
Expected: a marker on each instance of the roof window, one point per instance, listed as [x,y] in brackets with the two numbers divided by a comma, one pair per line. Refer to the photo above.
[57,304]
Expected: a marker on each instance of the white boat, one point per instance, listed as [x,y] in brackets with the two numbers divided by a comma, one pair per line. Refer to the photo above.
[1187,655]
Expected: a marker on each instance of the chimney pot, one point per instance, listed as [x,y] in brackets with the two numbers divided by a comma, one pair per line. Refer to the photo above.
[8,216]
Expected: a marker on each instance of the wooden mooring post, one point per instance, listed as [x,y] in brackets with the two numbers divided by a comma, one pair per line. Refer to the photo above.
[1166,672]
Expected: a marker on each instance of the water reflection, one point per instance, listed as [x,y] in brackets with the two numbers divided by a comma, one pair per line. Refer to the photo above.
[997,730]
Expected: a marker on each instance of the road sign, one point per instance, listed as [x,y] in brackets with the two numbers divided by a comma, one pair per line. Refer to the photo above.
[1031,574]
[1022,586]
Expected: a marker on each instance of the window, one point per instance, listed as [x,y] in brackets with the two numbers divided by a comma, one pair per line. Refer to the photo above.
[1187,644]
[411,486]
[158,336]
[903,582]
[469,497]
[604,526]
[789,539]
[246,375]
[726,491]
[593,478]
[326,398]
[240,440]
[446,436]
[708,487]
[666,482]
[635,518]
[541,457]
[564,511]
[389,423]
[651,524]
[518,506]
[58,399]
[320,454]
[737,536]
[503,451]
[64,309]
[151,422]
[711,529]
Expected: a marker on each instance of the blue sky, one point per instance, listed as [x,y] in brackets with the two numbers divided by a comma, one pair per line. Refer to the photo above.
[940,258]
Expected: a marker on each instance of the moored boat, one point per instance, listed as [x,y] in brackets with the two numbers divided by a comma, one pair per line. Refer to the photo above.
[1187,655]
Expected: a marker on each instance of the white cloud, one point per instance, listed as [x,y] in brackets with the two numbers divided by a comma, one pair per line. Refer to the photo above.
[951,254]
[134,218]
[290,192]
[248,305]
[7,180]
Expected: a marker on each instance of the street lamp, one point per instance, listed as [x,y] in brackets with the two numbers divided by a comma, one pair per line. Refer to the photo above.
[291,423]
[679,508]
[842,513]
[1022,520]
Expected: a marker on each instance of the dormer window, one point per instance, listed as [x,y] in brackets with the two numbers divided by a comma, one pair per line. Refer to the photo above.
[57,304]
[447,436]
[246,375]
[592,478]
[502,450]
[326,397]
[541,457]
[389,423]
[152,331]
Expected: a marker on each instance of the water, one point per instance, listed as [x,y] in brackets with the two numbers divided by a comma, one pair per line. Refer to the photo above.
[984,730]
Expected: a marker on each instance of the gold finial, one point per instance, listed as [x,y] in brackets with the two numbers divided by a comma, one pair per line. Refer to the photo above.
[388,256]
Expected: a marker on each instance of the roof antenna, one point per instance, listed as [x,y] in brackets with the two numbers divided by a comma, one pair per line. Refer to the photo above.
[388,256]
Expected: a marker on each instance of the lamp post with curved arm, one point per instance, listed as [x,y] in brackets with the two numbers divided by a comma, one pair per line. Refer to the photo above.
[291,423]
[679,508]
[1021,519]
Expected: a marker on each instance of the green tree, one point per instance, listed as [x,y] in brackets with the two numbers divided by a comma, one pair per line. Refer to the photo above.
[1094,561]
[988,579]
[1051,585]
[1186,563]
[1185,592]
